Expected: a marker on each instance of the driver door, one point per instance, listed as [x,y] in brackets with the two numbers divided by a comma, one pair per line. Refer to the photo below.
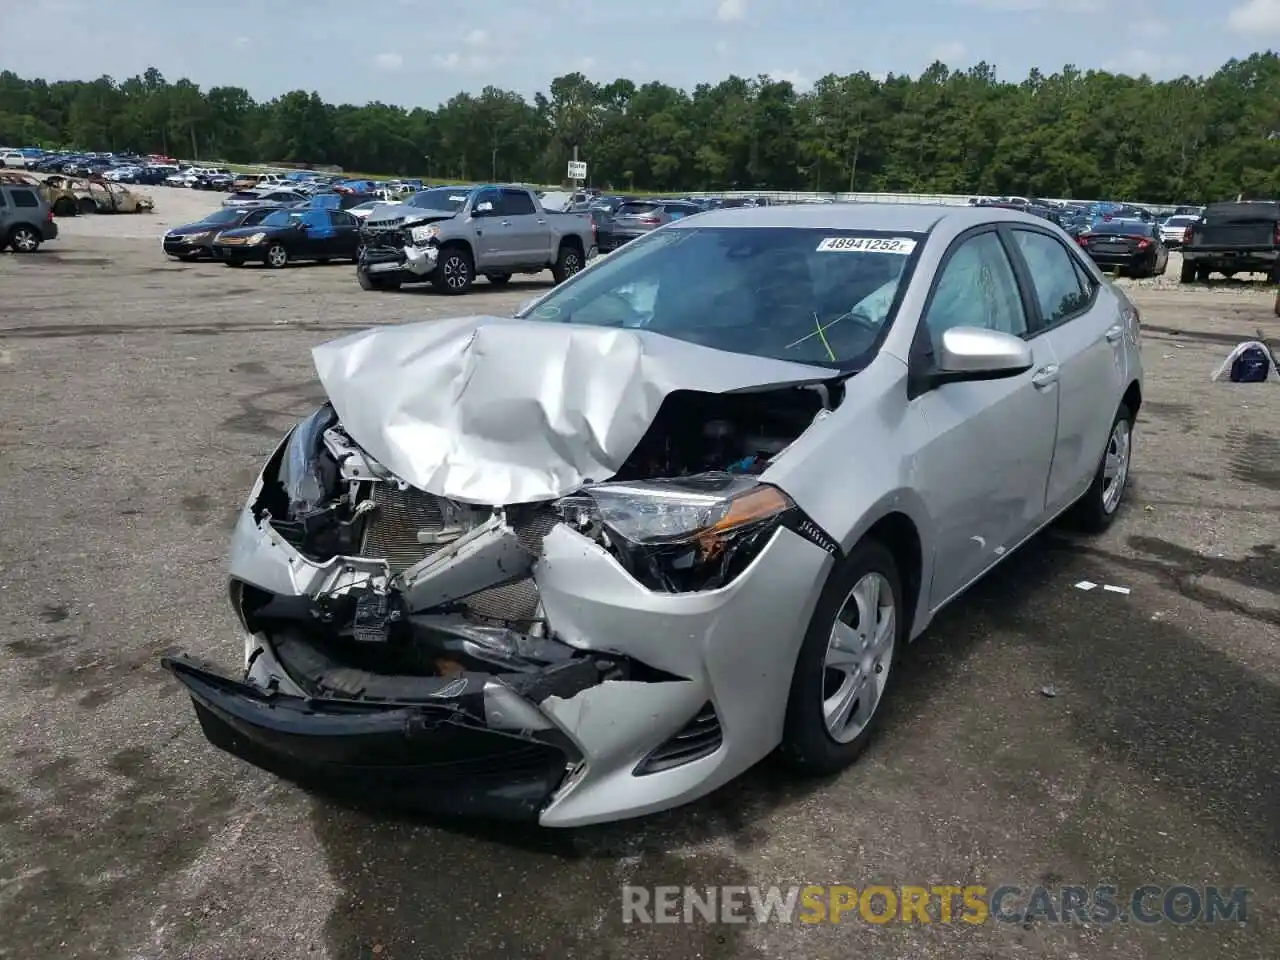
[984,449]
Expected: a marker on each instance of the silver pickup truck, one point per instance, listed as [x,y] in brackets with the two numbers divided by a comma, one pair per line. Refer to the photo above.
[451,235]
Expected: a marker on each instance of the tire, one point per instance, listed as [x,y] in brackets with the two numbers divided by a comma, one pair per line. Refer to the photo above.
[568,262]
[276,256]
[1188,273]
[24,239]
[86,206]
[65,207]
[808,744]
[498,279]
[455,272]
[1202,274]
[376,283]
[1097,509]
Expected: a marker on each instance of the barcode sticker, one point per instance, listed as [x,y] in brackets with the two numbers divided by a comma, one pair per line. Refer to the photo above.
[902,246]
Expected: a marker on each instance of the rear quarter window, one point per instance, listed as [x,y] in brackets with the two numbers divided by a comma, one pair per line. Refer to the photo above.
[24,198]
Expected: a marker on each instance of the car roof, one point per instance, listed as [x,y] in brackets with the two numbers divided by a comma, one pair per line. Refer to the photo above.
[901,217]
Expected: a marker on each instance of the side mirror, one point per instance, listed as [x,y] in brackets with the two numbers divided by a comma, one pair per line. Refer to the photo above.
[976,353]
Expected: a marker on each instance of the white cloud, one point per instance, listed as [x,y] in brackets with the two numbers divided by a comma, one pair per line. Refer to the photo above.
[721,47]
[460,63]
[950,53]
[241,43]
[388,61]
[585,65]
[477,38]
[1026,6]
[1256,16]
[731,10]
[794,77]
[1151,29]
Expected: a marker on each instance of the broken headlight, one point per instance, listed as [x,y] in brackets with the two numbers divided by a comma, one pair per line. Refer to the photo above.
[683,534]
[308,478]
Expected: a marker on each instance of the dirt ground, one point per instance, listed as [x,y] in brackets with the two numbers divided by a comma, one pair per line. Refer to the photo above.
[138,398]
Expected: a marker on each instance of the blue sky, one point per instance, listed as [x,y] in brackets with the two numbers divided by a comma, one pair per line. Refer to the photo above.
[406,52]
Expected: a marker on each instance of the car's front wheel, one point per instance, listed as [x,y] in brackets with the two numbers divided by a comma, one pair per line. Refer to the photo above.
[846,662]
[24,239]
[454,272]
[1096,510]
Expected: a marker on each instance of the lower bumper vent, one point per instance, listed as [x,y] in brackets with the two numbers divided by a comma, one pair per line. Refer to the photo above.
[699,738]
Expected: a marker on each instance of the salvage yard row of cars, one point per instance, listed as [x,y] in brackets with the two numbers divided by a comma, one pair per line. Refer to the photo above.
[569,599]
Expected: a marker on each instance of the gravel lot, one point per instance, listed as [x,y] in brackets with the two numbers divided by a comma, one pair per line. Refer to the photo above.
[140,397]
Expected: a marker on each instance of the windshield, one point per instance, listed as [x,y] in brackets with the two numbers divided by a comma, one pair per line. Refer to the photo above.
[441,198]
[807,295]
[280,218]
[1179,221]
[223,216]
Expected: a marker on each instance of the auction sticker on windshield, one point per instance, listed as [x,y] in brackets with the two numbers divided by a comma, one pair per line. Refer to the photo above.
[899,245]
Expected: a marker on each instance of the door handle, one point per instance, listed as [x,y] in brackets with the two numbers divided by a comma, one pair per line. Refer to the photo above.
[506,223]
[1045,376]
[1114,333]
[541,220]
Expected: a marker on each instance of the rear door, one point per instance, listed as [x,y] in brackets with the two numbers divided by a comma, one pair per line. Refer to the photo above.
[528,232]
[1083,322]
[988,445]
[492,232]
[6,217]
[346,233]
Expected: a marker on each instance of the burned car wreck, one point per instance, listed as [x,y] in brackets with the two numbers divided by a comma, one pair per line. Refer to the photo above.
[436,569]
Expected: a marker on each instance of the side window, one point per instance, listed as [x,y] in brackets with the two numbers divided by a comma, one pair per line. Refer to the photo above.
[488,203]
[3,201]
[977,289]
[257,216]
[1053,274]
[516,203]
[339,218]
[24,198]
[1087,283]
[316,219]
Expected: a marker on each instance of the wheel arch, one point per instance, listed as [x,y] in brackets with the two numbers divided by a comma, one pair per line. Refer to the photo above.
[897,533]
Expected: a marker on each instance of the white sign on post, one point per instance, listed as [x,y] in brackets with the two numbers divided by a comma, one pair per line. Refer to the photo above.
[577,170]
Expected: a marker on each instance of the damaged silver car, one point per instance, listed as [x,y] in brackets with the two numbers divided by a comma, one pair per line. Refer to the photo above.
[684,510]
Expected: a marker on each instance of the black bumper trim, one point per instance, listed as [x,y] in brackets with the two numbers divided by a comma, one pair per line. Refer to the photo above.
[428,758]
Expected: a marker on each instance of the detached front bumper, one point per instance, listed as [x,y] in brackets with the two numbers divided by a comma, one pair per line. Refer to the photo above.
[430,756]
[414,261]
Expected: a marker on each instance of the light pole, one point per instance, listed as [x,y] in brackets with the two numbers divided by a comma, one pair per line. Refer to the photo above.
[493,166]
[427,157]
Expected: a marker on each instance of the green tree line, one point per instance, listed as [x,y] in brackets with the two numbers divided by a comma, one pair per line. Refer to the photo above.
[1088,134]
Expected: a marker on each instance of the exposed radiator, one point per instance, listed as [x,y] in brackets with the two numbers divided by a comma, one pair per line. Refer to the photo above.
[392,528]
[398,518]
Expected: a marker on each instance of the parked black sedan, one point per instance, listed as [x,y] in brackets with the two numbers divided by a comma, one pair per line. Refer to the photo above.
[194,241]
[1127,246]
[291,234]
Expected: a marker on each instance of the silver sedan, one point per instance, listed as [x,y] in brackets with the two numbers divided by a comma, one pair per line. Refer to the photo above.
[683,510]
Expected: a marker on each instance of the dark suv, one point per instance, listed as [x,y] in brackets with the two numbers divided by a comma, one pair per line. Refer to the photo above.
[25,218]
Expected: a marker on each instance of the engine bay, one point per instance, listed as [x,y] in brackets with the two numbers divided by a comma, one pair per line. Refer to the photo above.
[458,588]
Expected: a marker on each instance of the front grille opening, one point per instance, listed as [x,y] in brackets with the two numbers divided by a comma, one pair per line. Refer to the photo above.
[700,737]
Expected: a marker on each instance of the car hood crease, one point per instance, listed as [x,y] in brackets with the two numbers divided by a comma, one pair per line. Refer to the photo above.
[492,411]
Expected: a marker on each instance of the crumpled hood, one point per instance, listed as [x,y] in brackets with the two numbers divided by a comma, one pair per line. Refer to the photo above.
[492,411]
[408,214]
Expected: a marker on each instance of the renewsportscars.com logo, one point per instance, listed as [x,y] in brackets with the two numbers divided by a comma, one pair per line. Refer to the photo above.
[975,904]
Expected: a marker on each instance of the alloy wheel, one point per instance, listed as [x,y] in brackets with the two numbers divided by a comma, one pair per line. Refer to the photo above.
[24,240]
[1115,465]
[859,655]
[455,272]
[277,256]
